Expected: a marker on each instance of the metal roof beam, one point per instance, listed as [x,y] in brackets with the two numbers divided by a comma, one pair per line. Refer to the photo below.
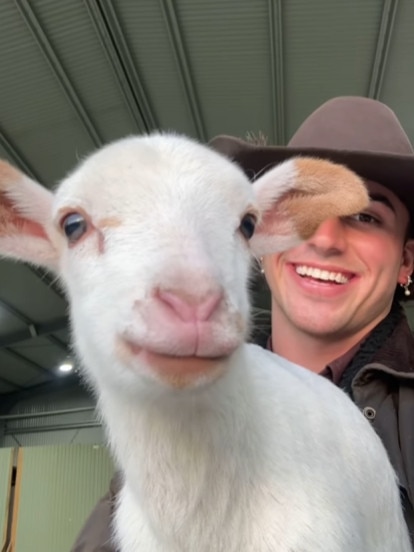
[25,360]
[277,71]
[46,413]
[13,338]
[385,34]
[32,328]
[112,39]
[58,343]
[29,17]
[184,70]
[50,427]
[17,314]
[9,400]
[10,383]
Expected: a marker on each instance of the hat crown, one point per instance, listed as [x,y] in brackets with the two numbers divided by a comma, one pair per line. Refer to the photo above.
[353,124]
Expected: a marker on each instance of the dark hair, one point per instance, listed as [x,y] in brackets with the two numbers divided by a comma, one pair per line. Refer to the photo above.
[399,293]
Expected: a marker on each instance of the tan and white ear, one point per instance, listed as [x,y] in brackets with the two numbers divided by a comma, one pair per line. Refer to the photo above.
[295,197]
[25,219]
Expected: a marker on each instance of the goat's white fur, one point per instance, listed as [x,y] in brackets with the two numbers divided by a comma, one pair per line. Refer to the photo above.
[253,454]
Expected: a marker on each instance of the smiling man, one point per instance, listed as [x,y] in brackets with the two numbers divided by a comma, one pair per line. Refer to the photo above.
[336,287]
[335,298]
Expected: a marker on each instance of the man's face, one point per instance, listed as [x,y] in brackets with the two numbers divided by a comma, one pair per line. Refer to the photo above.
[342,280]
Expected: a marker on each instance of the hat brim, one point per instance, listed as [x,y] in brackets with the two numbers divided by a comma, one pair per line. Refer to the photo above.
[395,172]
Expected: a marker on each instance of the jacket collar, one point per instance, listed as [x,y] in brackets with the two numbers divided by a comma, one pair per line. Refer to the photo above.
[395,358]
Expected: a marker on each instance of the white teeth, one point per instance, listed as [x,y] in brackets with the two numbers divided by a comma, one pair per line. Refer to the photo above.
[324,275]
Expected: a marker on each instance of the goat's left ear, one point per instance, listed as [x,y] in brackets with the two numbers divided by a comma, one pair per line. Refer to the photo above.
[295,197]
[25,219]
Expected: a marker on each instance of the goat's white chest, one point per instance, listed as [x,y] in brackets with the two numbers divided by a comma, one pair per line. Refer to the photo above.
[267,524]
[266,475]
[221,513]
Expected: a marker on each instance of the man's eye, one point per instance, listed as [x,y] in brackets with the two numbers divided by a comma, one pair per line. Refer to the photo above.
[366,218]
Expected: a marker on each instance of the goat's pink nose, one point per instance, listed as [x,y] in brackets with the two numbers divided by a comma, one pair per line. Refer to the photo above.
[189,307]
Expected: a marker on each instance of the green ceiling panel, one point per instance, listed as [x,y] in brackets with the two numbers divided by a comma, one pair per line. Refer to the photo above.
[41,304]
[147,36]
[38,122]
[8,322]
[330,48]
[228,47]
[76,43]
[397,89]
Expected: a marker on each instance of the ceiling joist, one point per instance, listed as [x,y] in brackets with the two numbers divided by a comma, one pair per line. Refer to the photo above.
[58,343]
[277,71]
[385,34]
[29,17]
[183,65]
[9,400]
[17,314]
[27,362]
[45,330]
[112,39]
[9,383]
[32,328]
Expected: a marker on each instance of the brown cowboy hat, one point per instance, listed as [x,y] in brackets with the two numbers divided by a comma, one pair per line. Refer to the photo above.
[361,133]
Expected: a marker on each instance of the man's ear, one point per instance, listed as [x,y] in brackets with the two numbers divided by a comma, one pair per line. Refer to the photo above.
[25,219]
[407,263]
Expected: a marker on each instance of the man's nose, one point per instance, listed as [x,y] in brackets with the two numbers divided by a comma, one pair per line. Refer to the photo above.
[329,238]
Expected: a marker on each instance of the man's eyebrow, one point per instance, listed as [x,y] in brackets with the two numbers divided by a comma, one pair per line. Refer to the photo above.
[375,196]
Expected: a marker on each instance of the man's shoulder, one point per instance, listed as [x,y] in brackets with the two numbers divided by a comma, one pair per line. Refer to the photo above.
[396,356]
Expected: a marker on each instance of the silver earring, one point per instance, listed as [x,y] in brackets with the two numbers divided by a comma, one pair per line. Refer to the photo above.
[406,286]
[261,265]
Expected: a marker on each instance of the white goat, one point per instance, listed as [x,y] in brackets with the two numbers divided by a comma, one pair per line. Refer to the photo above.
[224,446]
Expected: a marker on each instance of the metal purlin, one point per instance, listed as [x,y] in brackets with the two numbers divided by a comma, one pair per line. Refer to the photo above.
[385,35]
[112,38]
[181,58]
[277,70]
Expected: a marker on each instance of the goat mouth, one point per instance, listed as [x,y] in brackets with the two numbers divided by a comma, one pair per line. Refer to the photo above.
[176,370]
[179,364]
[183,372]
[176,352]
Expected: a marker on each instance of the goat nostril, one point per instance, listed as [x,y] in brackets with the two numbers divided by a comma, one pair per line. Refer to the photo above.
[190,307]
[208,306]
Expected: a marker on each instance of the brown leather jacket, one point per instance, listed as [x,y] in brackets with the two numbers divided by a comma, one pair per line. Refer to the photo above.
[383,390]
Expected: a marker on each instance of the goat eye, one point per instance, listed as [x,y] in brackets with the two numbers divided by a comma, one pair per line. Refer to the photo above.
[74,226]
[248,225]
